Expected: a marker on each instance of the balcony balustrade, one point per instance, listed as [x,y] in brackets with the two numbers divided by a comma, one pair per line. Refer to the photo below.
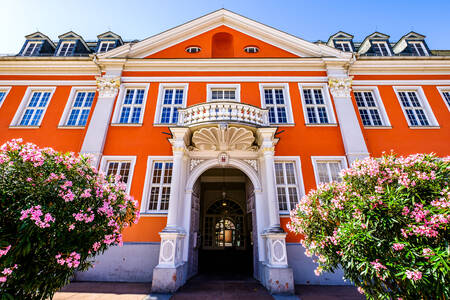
[223,112]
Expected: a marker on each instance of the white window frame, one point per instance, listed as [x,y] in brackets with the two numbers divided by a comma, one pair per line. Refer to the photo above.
[24,103]
[159,104]
[344,42]
[109,47]
[69,104]
[423,101]
[61,46]
[6,90]
[327,100]
[378,102]
[376,43]
[147,186]
[316,159]
[121,98]
[210,87]
[441,89]
[29,44]
[414,44]
[298,169]
[287,99]
[132,159]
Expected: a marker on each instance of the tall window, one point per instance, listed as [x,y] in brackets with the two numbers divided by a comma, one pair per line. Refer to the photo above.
[2,96]
[171,102]
[368,109]
[343,46]
[445,94]
[286,183]
[81,107]
[121,168]
[275,101]
[35,108]
[415,112]
[316,108]
[418,48]
[106,46]
[381,48]
[223,94]
[66,48]
[159,192]
[132,106]
[32,49]
[327,170]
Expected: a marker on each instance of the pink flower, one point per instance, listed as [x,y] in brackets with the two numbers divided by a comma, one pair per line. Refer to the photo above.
[413,275]
[2,278]
[398,246]
[427,252]
[3,252]
[360,290]
[377,265]
[29,179]
[71,227]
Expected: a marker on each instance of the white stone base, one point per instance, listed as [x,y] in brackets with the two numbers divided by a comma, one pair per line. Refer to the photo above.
[169,280]
[133,262]
[278,281]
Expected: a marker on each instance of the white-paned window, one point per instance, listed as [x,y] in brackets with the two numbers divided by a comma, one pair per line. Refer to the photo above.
[132,106]
[3,93]
[35,108]
[81,106]
[119,165]
[418,48]
[66,48]
[343,46]
[172,97]
[415,107]
[274,100]
[445,93]
[381,48]
[223,92]
[106,46]
[159,186]
[317,106]
[32,49]
[327,168]
[368,109]
[286,178]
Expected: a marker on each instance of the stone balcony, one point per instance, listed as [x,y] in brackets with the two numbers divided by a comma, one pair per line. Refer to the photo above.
[223,112]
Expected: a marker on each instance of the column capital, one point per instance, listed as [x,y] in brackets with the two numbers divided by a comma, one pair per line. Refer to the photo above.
[266,140]
[108,86]
[340,87]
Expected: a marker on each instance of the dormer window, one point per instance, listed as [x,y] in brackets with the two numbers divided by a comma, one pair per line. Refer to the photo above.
[106,46]
[193,49]
[32,49]
[381,49]
[66,48]
[418,49]
[251,49]
[343,46]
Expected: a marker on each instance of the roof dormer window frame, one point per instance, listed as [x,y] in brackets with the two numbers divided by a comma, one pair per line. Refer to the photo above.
[377,43]
[343,42]
[110,45]
[415,48]
[69,50]
[35,47]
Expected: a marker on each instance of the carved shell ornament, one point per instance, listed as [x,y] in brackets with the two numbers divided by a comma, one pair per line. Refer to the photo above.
[223,139]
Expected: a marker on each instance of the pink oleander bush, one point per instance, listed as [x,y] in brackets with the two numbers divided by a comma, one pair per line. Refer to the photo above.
[56,214]
[386,225]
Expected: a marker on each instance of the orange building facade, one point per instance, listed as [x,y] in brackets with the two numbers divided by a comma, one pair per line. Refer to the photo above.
[219,126]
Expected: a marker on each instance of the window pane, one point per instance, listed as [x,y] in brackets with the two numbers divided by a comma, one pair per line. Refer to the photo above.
[422,117]
[165,195]
[139,96]
[335,168]
[157,170]
[290,173]
[359,99]
[179,96]
[282,203]
[125,171]
[411,117]
[279,97]
[323,118]
[312,118]
[125,115]
[136,115]
[282,116]
[365,117]
[112,168]
[128,97]
[308,96]
[375,117]
[279,173]
[293,198]
[168,96]
[322,171]
[165,116]
[154,194]
[73,117]
[36,117]
[318,96]
[268,96]
[168,173]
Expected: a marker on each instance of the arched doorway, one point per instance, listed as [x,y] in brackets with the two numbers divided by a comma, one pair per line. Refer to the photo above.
[225,243]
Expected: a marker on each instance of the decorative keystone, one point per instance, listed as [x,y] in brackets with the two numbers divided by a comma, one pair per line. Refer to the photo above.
[340,86]
[108,86]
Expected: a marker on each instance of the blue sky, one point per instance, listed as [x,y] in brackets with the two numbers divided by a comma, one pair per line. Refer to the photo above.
[311,20]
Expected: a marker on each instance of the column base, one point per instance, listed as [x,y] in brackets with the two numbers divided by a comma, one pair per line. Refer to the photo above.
[278,281]
[168,280]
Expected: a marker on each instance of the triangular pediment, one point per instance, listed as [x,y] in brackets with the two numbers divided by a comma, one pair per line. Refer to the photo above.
[73,36]
[378,36]
[109,35]
[413,36]
[255,32]
[340,35]
[39,36]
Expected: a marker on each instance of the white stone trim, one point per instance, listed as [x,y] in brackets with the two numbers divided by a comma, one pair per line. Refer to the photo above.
[23,104]
[379,102]
[162,87]
[69,104]
[299,178]
[5,89]
[132,159]
[209,88]
[441,90]
[315,159]
[287,98]
[147,184]
[121,97]
[326,97]
[423,100]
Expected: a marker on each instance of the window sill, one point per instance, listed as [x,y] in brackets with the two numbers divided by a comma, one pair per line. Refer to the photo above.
[282,124]
[165,125]
[377,127]
[153,214]
[126,124]
[70,127]
[23,127]
[424,127]
[321,124]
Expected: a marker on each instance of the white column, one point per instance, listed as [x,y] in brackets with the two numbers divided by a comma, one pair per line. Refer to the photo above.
[94,141]
[352,137]
[172,214]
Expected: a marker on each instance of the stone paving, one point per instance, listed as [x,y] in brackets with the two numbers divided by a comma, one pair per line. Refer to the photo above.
[201,288]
